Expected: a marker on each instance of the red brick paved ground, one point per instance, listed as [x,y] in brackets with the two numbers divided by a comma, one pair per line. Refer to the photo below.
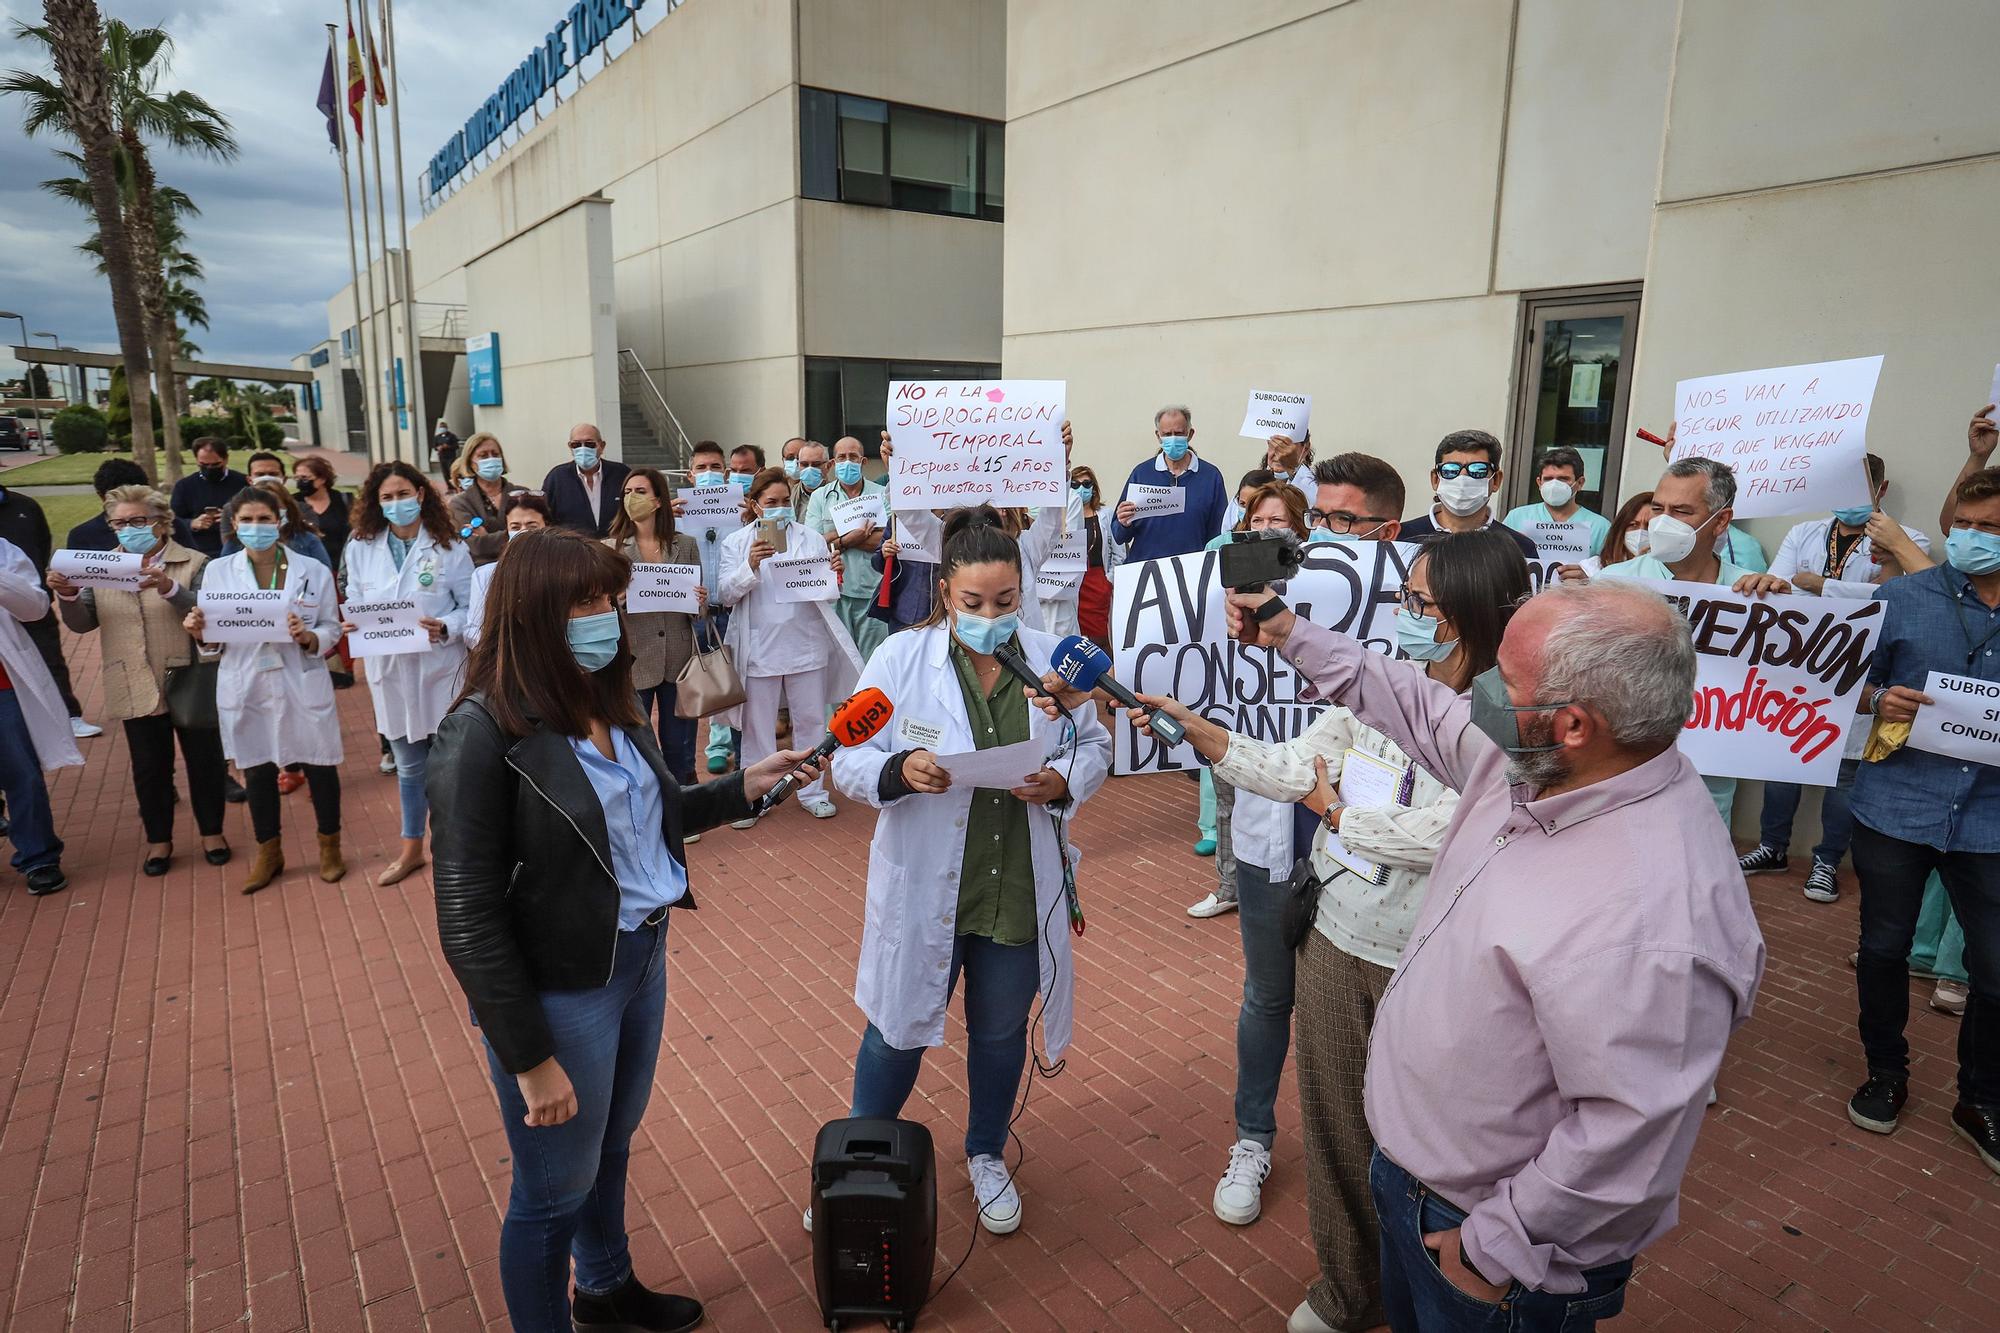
[217,1110]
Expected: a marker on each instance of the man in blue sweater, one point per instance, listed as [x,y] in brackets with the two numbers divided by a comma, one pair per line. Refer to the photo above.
[1178,466]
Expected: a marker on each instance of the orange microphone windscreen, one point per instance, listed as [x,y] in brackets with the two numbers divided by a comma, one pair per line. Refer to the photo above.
[860,717]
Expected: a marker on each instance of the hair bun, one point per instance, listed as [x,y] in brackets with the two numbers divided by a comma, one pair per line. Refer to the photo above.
[970,519]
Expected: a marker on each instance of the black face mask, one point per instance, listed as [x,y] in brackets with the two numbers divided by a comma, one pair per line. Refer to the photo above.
[305,485]
[214,471]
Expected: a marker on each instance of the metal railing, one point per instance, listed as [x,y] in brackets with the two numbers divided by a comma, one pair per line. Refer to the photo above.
[435,320]
[636,387]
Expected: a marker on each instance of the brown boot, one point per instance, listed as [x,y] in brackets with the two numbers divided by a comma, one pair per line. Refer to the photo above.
[269,865]
[331,864]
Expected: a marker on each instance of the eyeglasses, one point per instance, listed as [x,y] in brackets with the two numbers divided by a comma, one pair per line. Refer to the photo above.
[127,524]
[1477,471]
[1339,520]
[1416,603]
[524,491]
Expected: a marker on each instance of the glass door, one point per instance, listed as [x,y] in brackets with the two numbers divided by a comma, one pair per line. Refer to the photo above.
[1571,388]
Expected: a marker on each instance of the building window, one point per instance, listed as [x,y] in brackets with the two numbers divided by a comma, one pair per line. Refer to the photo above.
[860,150]
[850,395]
[347,344]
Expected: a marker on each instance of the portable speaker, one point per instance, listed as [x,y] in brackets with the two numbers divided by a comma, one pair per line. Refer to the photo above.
[874,1201]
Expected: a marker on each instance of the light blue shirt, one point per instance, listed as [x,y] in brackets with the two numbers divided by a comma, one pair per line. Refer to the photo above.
[1536,522]
[399,550]
[649,877]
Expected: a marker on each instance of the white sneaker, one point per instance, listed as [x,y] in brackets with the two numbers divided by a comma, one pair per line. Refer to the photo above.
[809,1221]
[1711,1095]
[999,1202]
[1239,1195]
[1306,1320]
[740,823]
[387,767]
[690,839]
[82,730]
[820,809]
[1212,906]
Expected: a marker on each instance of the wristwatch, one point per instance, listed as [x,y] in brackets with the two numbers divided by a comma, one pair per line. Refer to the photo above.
[1331,818]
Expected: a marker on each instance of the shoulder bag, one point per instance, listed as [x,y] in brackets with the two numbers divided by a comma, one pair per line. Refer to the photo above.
[708,682]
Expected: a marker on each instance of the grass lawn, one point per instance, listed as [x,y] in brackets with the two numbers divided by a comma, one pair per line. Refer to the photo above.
[65,511]
[69,469]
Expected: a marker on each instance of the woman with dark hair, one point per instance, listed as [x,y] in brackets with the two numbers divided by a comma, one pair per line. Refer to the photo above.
[962,879]
[274,701]
[404,548]
[1100,555]
[524,512]
[1627,537]
[560,847]
[295,526]
[313,482]
[1376,860]
[662,641]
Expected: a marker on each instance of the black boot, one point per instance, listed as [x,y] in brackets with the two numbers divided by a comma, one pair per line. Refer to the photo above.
[633,1309]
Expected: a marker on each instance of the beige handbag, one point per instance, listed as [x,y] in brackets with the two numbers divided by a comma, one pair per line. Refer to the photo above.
[708,682]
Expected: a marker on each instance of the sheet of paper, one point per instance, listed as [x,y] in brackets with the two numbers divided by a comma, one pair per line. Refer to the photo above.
[864,509]
[1560,541]
[1051,584]
[97,569]
[1151,500]
[1993,396]
[386,628]
[1585,377]
[967,442]
[255,615]
[1001,768]
[1962,719]
[710,508]
[804,578]
[664,587]
[1592,566]
[920,535]
[1796,435]
[1366,783]
[1269,413]
[1070,554]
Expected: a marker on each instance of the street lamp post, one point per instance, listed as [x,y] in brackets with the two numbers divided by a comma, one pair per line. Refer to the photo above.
[26,383]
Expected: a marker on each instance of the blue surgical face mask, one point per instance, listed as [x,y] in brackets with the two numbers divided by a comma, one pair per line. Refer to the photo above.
[782,514]
[137,540]
[847,472]
[585,456]
[1329,535]
[1972,551]
[1175,447]
[1417,636]
[1500,718]
[512,533]
[1854,516]
[982,635]
[402,512]
[743,479]
[791,467]
[1282,473]
[465,483]
[594,639]
[490,469]
[1084,493]
[708,481]
[256,536]
[810,477]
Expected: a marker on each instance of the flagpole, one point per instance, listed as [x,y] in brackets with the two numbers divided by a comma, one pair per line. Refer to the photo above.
[413,373]
[389,285]
[353,266]
[372,348]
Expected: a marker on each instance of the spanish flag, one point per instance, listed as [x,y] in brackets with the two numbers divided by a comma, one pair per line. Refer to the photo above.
[357,82]
[368,44]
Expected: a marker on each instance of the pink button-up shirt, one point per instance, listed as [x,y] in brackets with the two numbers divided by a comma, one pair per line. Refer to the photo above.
[1544,1051]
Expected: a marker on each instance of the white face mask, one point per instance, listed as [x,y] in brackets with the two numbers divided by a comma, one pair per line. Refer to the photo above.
[1672,540]
[1556,493]
[1464,495]
[1637,540]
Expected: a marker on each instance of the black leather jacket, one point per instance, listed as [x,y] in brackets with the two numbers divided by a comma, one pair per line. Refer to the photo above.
[526,899]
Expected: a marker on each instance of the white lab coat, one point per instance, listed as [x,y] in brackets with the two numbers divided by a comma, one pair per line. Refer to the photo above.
[751,602]
[22,599]
[919,843]
[475,611]
[413,691]
[284,715]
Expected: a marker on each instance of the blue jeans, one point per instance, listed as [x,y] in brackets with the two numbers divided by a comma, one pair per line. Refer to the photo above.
[676,733]
[1000,985]
[1417,1297]
[1264,1022]
[568,1198]
[413,760]
[34,824]
[1781,803]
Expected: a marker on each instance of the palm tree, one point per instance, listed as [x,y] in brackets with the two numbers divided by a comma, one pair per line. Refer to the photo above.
[188,311]
[77,103]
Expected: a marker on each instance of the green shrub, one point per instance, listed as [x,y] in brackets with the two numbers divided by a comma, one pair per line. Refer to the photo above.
[79,430]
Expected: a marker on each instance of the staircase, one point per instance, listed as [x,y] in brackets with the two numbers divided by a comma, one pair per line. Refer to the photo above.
[652,435]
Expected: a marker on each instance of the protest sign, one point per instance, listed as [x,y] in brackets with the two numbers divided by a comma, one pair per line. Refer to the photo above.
[1170,636]
[919,535]
[707,509]
[1777,680]
[1993,395]
[1795,435]
[864,510]
[385,628]
[968,442]
[1556,540]
[664,588]
[1152,500]
[97,569]
[254,615]
[1269,414]
[805,578]
[1051,584]
[1069,555]
[1961,720]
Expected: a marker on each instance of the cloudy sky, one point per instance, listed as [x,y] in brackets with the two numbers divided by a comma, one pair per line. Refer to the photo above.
[271,232]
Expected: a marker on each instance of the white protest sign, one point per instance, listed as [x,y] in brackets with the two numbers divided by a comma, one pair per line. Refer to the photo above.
[1993,395]
[385,628]
[1055,584]
[97,569]
[254,615]
[710,508]
[1556,540]
[1777,680]
[968,442]
[1170,636]
[1151,500]
[1269,414]
[864,510]
[1795,435]
[919,535]
[806,578]
[664,588]
[1961,720]
[1070,554]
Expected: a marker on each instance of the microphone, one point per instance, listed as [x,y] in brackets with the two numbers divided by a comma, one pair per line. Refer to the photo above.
[853,723]
[1087,667]
[1018,667]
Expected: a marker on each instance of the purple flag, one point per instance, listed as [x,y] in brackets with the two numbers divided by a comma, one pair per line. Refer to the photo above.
[329,101]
